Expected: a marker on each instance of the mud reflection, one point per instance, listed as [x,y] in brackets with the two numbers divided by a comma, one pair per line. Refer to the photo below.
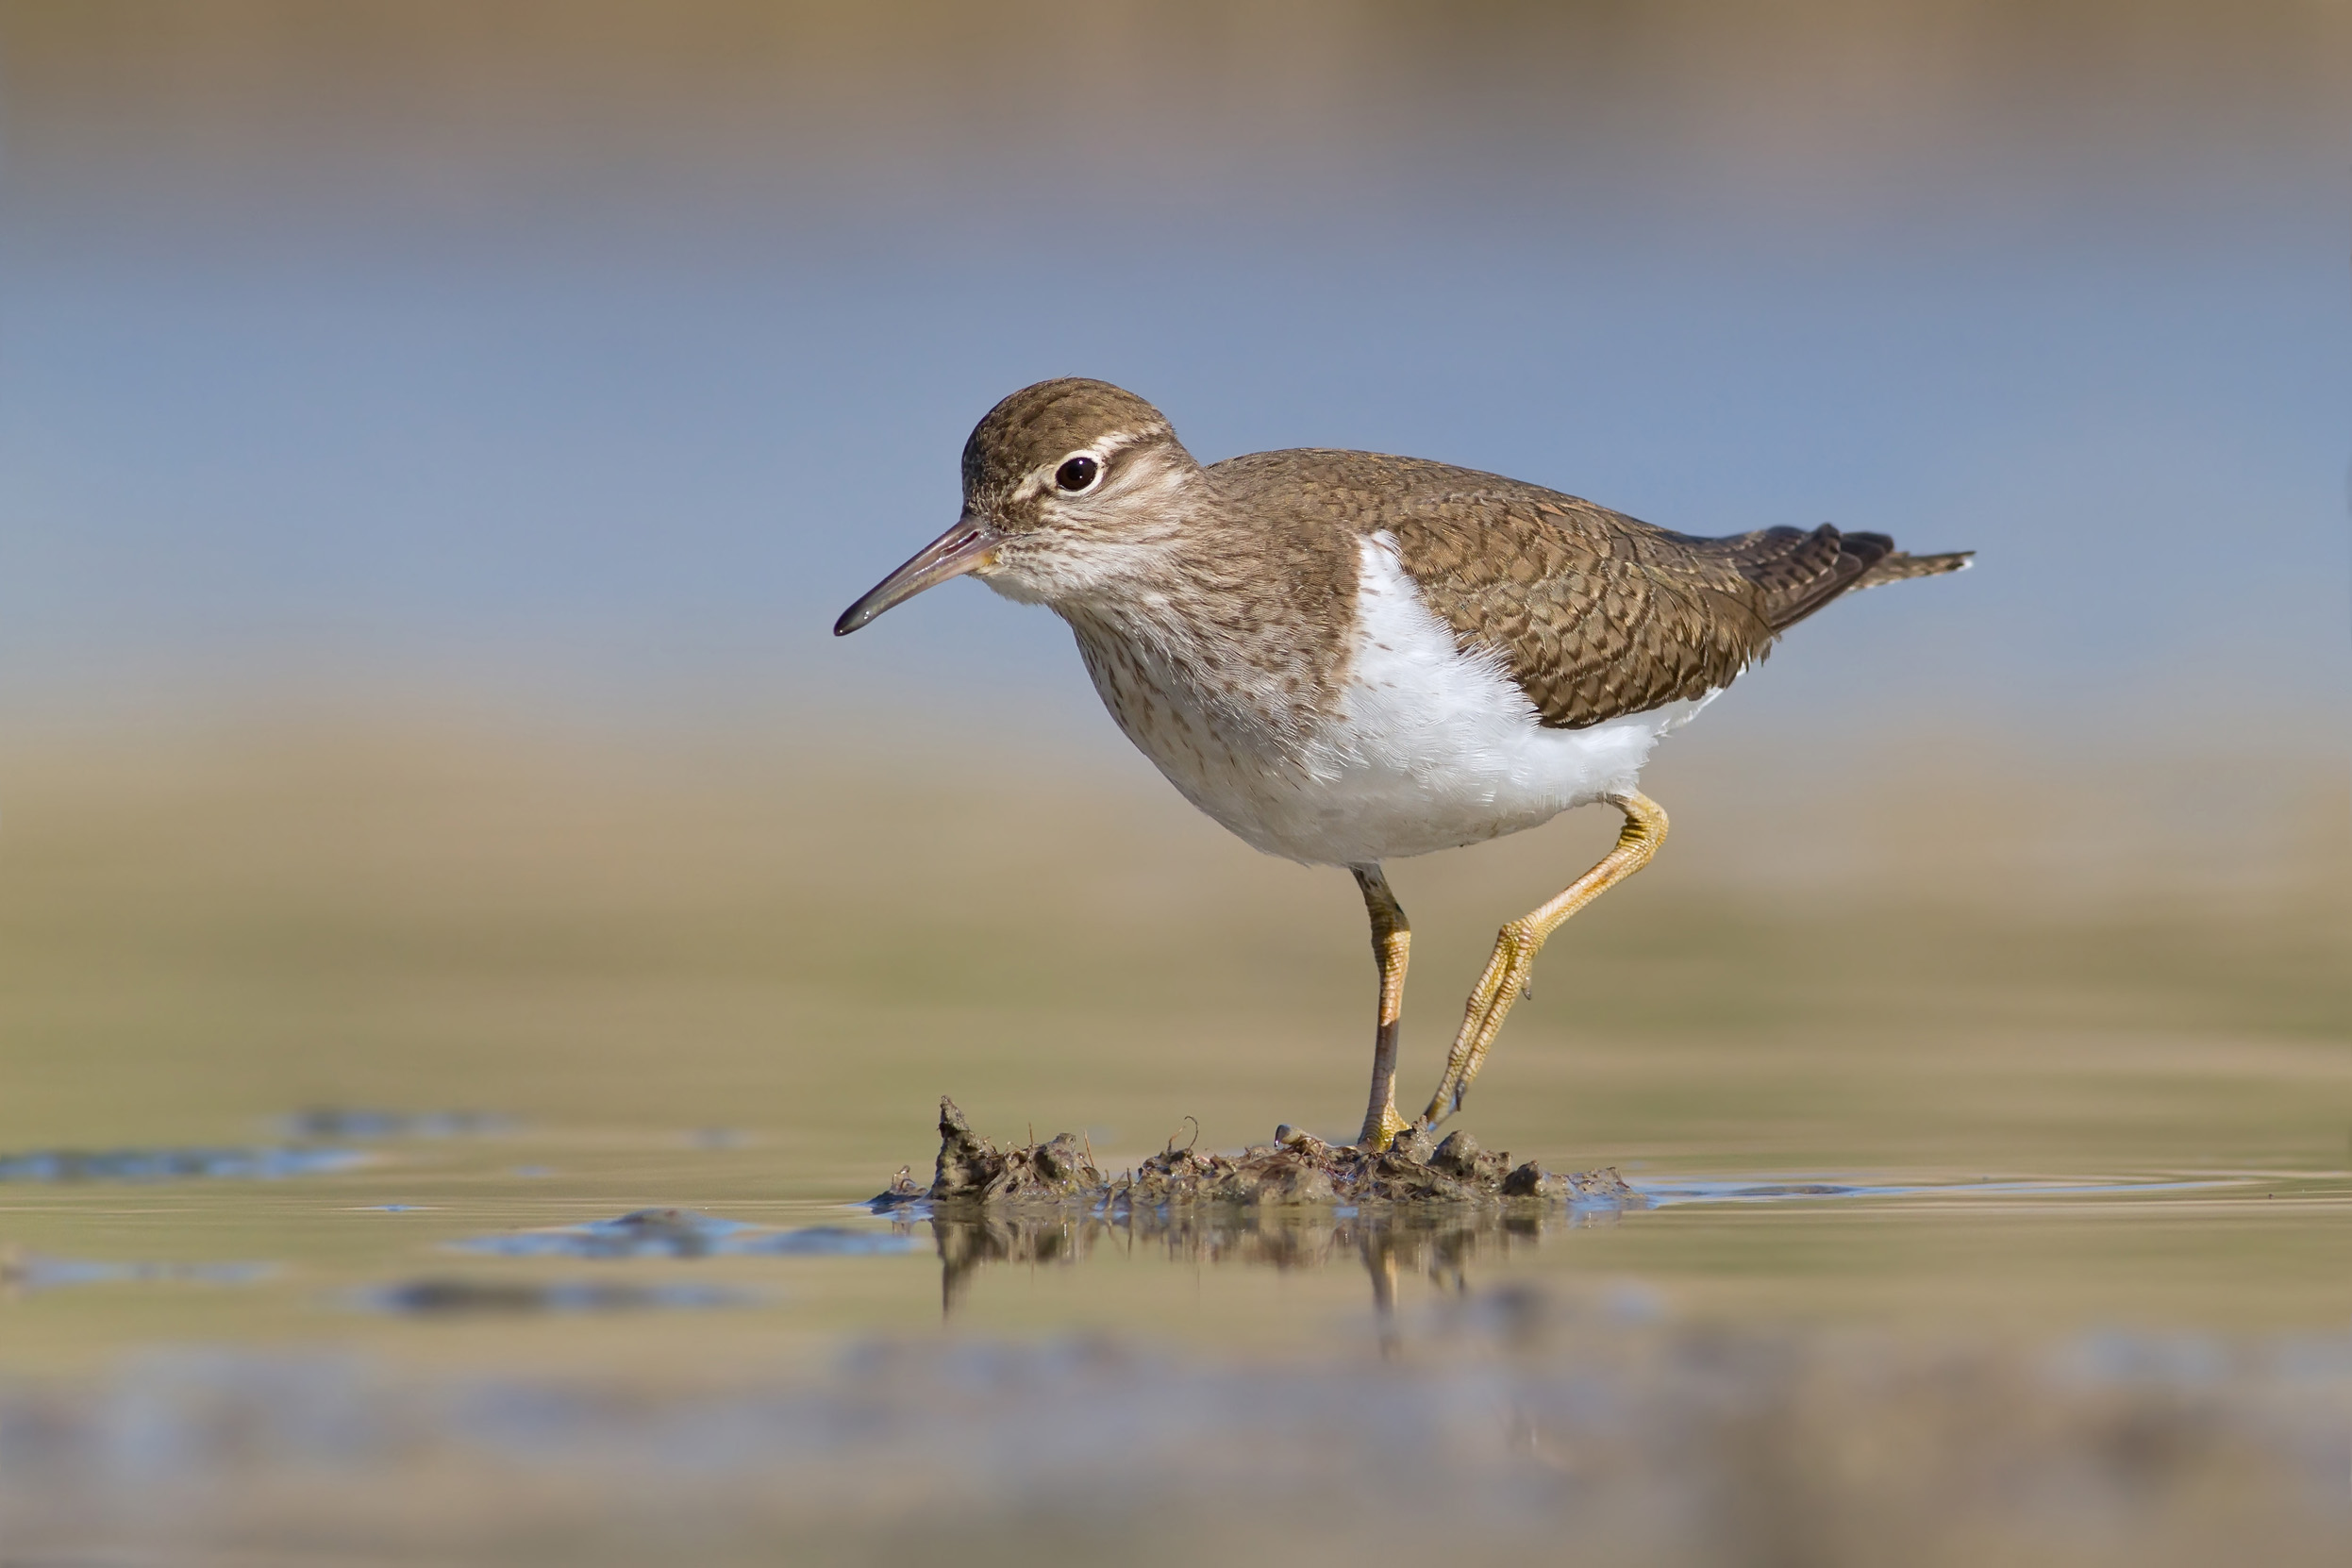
[1442,1243]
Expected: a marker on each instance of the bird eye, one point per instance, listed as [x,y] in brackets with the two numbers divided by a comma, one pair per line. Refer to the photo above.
[1076,473]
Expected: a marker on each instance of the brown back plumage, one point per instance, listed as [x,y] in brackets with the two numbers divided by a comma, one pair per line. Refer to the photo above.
[1595,614]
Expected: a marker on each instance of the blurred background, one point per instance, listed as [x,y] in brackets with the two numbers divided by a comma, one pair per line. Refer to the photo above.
[416,419]
[586,356]
[435,438]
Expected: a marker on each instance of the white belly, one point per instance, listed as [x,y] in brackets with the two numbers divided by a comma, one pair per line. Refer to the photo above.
[1430,750]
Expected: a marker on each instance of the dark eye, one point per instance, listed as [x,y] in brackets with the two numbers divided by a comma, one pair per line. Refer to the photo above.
[1076,473]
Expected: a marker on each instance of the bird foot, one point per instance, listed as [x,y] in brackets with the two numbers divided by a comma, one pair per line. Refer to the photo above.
[1380,1130]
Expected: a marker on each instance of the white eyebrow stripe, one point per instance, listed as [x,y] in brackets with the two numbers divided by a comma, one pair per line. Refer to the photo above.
[1102,449]
[1115,441]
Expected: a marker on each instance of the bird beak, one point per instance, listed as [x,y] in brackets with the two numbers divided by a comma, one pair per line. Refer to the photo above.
[966,545]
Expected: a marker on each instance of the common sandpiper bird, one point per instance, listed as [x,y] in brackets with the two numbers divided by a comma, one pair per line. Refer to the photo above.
[1347,658]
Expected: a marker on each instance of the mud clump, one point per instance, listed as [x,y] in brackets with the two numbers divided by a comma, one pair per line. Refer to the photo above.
[973,1170]
[1296,1170]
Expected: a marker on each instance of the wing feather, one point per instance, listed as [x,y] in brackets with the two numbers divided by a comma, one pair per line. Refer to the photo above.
[1594,613]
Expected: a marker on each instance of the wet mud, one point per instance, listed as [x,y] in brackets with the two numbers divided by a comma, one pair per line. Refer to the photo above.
[684,1233]
[437,1296]
[22,1272]
[363,1122]
[1295,1203]
[1296,1170]
[70,1165]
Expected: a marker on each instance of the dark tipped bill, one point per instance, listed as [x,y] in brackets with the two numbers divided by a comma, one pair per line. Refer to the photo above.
[951,555]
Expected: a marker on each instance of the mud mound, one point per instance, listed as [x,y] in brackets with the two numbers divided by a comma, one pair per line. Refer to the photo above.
[1296,1169]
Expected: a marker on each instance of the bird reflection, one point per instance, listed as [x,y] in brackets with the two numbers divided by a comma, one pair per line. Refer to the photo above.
[1443,1245]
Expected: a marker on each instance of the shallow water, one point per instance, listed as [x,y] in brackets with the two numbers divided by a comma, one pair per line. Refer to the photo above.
[344,1360]
[140,1240]
[482,1181]
[107,1266]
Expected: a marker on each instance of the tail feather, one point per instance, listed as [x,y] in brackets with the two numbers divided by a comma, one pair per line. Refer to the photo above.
[1800,571]
[1896,567]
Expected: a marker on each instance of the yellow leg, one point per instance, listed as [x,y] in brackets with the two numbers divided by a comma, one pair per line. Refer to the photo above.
[1392,939]
[1518,943]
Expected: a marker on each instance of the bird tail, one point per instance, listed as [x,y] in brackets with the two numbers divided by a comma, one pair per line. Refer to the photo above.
[1898,565]
[1799,572]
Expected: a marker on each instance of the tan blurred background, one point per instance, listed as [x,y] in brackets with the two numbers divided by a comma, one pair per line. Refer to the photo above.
[448,102]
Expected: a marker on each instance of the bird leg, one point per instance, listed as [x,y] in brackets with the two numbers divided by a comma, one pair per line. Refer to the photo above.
[1515,947]
[1392,939]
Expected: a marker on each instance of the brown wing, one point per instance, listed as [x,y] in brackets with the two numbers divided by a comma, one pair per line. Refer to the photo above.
[1599,614]
[1595,614]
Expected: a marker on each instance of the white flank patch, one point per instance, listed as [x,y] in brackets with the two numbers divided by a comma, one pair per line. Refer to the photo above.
[1438,748]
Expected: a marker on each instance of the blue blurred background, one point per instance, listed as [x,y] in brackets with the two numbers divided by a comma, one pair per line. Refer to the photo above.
[585,359]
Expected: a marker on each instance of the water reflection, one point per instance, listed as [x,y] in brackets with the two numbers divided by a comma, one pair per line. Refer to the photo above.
[1443,1244]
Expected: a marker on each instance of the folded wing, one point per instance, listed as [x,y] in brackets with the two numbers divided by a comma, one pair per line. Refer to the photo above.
[1596,614]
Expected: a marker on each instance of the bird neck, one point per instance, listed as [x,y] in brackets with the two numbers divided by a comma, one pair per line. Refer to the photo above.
[1233,616]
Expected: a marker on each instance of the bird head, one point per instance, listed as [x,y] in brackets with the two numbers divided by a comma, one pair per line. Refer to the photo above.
[1070,488]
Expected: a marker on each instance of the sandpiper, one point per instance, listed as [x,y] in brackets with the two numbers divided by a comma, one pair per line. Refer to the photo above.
[1347,658]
